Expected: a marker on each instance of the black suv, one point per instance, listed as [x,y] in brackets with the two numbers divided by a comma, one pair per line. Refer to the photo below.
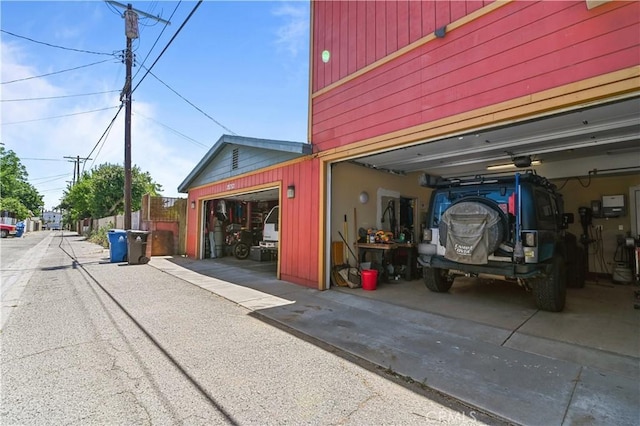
[511,226]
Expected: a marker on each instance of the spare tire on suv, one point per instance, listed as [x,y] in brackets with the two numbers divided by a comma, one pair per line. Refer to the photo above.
[471,229]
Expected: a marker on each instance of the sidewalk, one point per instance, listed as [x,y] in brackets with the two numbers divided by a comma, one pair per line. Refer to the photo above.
[459,358]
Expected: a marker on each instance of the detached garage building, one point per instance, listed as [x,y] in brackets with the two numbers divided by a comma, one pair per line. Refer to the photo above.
[399,88]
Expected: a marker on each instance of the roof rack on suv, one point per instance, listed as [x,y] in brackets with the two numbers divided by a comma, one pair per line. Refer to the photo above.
[430,181]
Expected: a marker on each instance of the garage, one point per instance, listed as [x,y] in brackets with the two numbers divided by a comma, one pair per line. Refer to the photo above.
[591,154]
[505,89]
[236,196]
[234,226]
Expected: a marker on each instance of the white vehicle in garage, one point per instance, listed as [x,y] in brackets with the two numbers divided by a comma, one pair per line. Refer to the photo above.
[271,232]
[509,226]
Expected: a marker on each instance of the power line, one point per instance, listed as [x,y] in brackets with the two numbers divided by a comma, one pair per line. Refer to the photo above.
[50,179]
[157,39]
[59,116]
[51,190]
[193,105]
[55,72]
[57,47]
[105,132]
[168,44]
[173,130]
[104,141]
[42,159]
[58,97]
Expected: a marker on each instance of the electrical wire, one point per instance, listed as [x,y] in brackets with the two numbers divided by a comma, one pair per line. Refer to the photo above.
[193,105]
[52,178]
[104,141]
[579,181]
[58,97]
[57,47]
[172,130]
[49,177]
[598,251]
[103,135]
[55,72]
[51,190]
[157,40]
[168,44]
[59,116]
[113,9]
[43,159]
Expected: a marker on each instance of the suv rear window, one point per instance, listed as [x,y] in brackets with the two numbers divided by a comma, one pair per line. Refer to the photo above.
[546,210]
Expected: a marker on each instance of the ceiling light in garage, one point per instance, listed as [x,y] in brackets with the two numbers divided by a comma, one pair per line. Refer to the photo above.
[511,165]
[623,150]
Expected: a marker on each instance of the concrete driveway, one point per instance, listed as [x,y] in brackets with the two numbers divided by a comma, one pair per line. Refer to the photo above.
[484,342]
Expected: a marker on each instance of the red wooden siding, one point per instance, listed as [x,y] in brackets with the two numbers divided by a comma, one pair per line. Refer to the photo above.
[298,231]
[358,33]
[518,49]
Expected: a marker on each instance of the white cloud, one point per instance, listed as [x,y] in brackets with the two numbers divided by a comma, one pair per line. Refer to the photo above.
[153,149]
[293,35]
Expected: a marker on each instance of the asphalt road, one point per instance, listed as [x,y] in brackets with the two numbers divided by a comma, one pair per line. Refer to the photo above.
[86,341]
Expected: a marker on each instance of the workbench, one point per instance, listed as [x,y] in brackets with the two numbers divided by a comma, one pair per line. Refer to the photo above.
[387,254]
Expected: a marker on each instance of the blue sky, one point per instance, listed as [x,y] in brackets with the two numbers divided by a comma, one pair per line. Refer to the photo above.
[245,64]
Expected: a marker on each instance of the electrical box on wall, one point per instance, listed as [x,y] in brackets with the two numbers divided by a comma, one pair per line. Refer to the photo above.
[613,205]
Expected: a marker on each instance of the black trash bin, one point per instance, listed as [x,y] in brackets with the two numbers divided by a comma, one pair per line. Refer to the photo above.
[137,247]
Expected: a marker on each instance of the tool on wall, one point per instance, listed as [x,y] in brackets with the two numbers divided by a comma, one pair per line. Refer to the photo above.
[355,224]
[350,251]
[346,241]
[354,278]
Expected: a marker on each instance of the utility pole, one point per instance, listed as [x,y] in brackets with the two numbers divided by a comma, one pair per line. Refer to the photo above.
[76,168]
[131,32]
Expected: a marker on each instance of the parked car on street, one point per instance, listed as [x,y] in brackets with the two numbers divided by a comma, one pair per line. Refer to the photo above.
[7,224]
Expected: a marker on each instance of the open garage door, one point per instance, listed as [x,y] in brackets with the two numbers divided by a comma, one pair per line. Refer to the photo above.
[570,147]
[589,140]
[233,227]
[590,153]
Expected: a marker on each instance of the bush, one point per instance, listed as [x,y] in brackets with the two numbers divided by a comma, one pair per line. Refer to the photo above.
[100,236]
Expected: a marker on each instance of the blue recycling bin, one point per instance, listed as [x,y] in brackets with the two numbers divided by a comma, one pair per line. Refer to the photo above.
[19,229]
[117,245]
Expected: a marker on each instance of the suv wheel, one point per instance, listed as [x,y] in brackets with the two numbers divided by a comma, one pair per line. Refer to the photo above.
[437,279]
[550,289]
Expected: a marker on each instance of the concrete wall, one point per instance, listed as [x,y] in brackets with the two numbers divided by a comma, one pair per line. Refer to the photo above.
[117,222]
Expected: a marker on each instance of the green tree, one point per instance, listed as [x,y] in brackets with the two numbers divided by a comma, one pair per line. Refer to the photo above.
[18,195]
[14,205]
[76,202]
[100,192]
